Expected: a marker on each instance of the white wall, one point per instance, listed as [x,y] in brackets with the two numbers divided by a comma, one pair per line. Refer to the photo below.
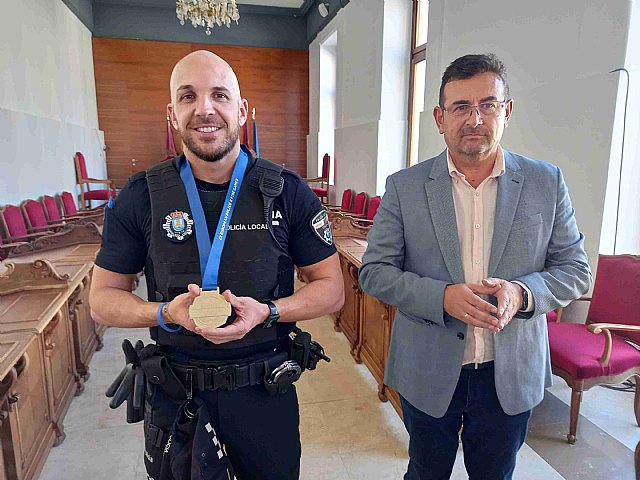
[372,78]
[47,101]
[558,55]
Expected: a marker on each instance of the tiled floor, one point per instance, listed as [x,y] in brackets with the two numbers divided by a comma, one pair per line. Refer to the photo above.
[347,433]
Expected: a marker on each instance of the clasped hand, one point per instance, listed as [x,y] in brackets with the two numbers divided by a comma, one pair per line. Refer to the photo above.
[463,301]
[249,314]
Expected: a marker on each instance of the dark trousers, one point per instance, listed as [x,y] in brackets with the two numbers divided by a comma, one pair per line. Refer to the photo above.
[490,438]
[259,432]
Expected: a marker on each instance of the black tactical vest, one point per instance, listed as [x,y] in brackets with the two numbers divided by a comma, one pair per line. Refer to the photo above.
[253,263]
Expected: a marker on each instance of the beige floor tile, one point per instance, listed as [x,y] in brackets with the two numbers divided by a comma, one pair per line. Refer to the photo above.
[360,424]
[385,463]
[322,465]
[610,410]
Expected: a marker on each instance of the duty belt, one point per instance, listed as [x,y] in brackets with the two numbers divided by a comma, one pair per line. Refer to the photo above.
[150,365]
[226,377]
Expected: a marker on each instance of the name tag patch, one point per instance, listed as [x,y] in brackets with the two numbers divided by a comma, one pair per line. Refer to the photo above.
[177,226]
[322,227]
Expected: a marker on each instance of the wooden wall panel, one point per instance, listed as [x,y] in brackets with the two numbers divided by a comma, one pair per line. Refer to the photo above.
[132,87]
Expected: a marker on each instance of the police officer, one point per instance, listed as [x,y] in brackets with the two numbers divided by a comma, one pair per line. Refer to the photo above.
[216,217]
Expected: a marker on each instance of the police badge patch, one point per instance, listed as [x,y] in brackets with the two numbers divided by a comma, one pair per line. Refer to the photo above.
[322,228]
[177,226]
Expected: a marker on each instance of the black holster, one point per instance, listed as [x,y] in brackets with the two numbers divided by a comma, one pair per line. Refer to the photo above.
[158,372]
[305,351]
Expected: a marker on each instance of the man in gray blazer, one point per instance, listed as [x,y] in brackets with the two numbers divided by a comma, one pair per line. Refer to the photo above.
[473,247]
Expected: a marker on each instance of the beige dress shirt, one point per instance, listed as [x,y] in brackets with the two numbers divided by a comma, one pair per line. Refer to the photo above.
[475,215]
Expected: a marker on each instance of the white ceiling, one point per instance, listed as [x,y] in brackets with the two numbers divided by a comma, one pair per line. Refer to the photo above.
[274,3]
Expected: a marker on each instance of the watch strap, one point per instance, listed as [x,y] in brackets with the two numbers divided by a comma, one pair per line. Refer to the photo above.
[273,317]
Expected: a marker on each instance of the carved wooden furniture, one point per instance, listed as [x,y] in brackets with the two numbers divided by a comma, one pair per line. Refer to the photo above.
[7,248]
[348,319]
[47,337]
[26,430]
[86,194]
[33,299]
[349,239]
[87,334]
[365,320]
[76,260]
[583,357]
[84,239]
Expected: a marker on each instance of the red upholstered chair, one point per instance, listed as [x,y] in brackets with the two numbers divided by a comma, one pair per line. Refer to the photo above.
[374,203]
[70,210]
[36,218]
[602,351]
[14,225]
[347,199]
[86,194]
[54,215]
[320,185]
[359,207]
[360,203]
[51,209]
[345,205]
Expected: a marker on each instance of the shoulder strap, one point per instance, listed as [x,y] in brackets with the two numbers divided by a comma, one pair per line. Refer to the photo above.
[164,174]
[271,184]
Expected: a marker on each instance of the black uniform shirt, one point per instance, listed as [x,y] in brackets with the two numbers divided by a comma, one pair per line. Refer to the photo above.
[127,229]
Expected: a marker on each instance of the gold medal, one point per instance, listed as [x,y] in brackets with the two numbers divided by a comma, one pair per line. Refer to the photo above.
[210,309]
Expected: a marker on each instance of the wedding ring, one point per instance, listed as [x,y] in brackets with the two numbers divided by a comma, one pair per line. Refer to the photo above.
[465,315]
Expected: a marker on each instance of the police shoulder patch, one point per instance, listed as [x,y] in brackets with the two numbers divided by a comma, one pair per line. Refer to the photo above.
[177,225]
[322,227]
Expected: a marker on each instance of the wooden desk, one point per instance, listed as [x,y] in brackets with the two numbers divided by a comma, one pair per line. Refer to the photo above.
[47,337]
[364,320]
[77,261]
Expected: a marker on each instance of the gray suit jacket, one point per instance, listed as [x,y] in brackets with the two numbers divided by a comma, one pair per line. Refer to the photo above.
[414,253]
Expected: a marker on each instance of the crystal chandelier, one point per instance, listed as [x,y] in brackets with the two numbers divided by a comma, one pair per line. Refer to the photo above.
[207,13]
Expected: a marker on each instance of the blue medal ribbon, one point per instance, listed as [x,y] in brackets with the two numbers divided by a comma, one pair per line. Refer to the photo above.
[211,252]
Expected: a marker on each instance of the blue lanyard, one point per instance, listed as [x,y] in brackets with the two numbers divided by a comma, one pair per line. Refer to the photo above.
[211,252]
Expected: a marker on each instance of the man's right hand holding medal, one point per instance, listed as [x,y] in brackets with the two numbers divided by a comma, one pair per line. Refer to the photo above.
[177,310]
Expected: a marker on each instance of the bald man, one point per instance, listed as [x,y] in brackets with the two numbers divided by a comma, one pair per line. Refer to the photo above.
[219,400]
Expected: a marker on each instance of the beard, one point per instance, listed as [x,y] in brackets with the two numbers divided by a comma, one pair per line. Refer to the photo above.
[208,155]
[475,148]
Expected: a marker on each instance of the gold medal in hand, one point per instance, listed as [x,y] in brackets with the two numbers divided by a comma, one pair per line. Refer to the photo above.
[210,309]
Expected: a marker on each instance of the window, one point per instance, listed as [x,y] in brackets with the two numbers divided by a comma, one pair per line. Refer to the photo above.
[418,76]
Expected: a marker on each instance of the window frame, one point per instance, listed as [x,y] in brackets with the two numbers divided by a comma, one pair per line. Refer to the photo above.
[418,54]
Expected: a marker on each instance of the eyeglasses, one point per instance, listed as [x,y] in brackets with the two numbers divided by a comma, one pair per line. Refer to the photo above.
[486,109]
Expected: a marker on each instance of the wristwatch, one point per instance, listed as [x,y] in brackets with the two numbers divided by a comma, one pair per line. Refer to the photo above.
[525,299]
[273,317]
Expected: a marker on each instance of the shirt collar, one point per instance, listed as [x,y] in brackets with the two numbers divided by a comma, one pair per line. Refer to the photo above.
[498,166]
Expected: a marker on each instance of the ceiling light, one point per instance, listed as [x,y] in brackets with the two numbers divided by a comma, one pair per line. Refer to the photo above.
[207,13]
[323,9]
